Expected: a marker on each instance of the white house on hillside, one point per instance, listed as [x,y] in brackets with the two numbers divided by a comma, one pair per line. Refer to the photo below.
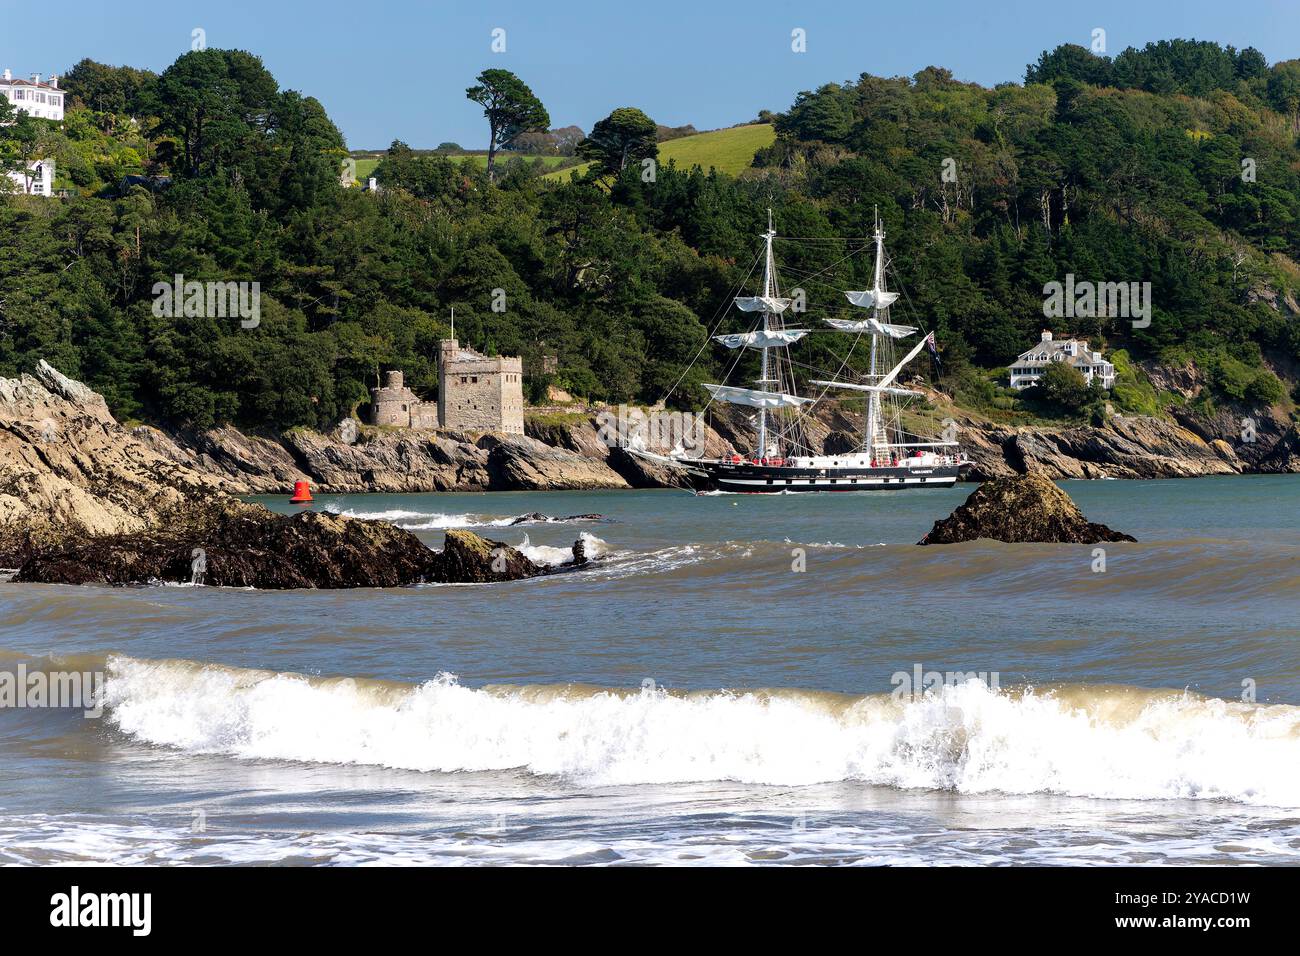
[1028,368]
[43,101]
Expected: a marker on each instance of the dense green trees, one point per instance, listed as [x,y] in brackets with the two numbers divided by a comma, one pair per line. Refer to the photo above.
[986,196]
[1064,387]
[109,90]
[1192,67]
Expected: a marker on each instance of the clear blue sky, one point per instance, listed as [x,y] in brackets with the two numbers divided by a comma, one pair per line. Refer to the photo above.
[401,74]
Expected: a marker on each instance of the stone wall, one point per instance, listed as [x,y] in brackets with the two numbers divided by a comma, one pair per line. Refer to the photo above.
[424,415]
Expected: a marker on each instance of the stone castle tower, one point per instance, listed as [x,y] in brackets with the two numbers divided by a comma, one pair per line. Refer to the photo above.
[478,393]
[395,404]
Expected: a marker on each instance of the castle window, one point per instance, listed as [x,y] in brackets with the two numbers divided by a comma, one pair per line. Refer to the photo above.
[474,379]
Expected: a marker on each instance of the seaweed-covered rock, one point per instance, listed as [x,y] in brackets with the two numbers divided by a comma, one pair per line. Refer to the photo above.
[468,558]
[1020,509]
[246,546]
[253,547]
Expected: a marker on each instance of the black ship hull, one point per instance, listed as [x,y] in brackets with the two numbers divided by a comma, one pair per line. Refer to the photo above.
[748,477]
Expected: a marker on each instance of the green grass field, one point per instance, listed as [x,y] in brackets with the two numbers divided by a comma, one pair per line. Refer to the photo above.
[366,164]
[727,150]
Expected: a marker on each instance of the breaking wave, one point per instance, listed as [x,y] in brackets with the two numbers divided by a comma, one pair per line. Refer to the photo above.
[428,520]
[553,557]
[1088,741]
[439,521]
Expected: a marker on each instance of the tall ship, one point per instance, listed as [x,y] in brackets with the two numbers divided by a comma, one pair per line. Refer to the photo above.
[782,459]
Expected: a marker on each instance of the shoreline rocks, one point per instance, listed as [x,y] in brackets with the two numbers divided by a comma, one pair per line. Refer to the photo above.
[83,500]
[68,470]
[1020,510]
[256,548]
[569,456]
[1124,447]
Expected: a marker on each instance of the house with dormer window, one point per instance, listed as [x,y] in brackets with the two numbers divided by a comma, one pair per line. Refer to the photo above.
[1028,368]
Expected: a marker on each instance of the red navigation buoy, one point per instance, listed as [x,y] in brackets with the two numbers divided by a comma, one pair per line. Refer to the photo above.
[301,493]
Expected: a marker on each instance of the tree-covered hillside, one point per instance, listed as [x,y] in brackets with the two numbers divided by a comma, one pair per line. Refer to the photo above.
[1177,164]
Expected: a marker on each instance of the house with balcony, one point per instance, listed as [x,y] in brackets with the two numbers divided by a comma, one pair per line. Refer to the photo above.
[1028,368]
[42,100]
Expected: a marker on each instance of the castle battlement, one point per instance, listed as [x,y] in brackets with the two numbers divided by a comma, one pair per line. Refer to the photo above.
[477,392]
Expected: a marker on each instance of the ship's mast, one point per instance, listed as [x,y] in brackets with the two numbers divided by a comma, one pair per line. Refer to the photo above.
[873,400]
[768,292]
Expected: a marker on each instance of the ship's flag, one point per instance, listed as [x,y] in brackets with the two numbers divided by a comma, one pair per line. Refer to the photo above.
[934,348]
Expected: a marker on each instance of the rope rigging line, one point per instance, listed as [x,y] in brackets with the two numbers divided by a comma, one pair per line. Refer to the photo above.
[718,318]
[792,430]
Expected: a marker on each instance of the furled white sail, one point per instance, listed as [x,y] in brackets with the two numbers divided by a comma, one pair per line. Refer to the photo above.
[891,390]
[762,339]
[762,303]
[871,299]
[755,399]
[872,325]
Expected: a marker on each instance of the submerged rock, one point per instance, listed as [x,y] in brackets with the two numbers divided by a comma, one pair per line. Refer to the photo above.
[536,517]
[1020,509]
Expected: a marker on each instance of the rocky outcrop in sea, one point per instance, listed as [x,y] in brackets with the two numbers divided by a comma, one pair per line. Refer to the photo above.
[1019,510]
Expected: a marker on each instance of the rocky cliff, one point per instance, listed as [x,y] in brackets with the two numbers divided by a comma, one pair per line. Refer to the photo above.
[569,452]
[67,468]
[570,455]
[83,500]
[1124,447]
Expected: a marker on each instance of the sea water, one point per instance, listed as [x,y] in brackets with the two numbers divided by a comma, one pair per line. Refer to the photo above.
[734,679]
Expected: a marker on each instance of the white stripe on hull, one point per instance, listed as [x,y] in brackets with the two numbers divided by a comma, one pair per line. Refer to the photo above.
[842,484]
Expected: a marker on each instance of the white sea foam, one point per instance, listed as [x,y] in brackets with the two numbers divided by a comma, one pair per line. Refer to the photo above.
[428,520]
[713,831]
[1107,742]
[437,520]
[553,557]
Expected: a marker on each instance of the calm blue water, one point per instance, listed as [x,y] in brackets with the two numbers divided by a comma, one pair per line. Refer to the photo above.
[722,685]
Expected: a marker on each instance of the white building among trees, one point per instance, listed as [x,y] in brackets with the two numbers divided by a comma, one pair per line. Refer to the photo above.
[1029,367]
[42,100]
